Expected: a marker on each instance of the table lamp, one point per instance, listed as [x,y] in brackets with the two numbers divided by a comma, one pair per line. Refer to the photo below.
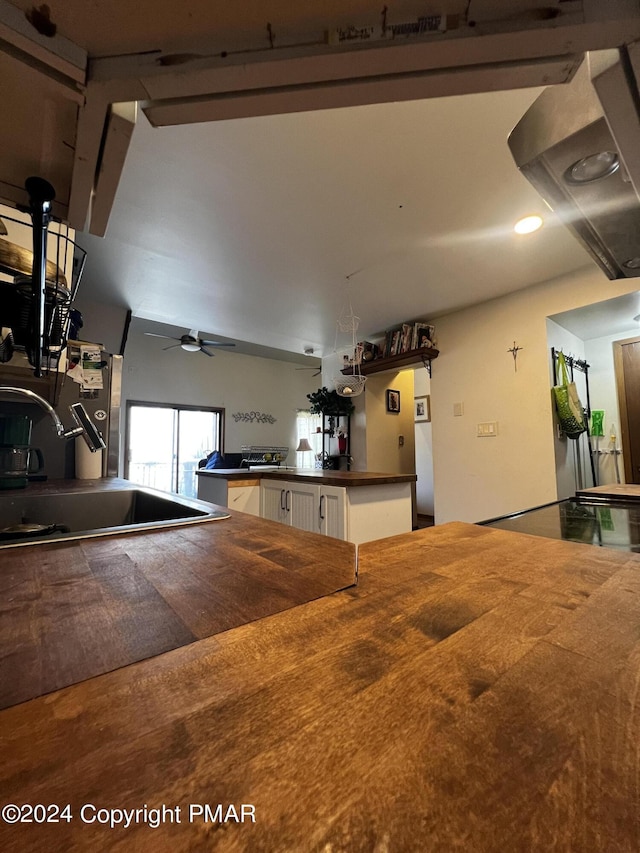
[303,447]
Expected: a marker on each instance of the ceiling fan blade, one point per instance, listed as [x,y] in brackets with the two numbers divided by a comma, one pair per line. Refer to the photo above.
[206,352]
[216,344]
[173,346]
[168,337]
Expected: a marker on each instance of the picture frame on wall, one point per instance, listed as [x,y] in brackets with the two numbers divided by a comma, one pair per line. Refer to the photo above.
[393,401]
[422,409]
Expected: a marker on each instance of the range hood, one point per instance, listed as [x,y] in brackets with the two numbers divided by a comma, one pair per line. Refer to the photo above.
[579,145]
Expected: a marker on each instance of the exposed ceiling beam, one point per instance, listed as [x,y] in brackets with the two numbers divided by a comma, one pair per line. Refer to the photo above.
[119,130]
[371,90]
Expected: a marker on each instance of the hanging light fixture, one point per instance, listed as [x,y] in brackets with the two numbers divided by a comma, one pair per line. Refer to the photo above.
[346,327]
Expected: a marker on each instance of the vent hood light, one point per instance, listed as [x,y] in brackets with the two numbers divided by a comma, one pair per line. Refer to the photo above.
[593,168]
[528,224]
[578,146]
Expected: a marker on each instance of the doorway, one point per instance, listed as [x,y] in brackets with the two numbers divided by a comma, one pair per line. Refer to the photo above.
[165,443]
[626,357]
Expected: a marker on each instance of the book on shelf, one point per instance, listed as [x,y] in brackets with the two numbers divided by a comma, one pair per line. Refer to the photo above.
[405,337]
[423,335]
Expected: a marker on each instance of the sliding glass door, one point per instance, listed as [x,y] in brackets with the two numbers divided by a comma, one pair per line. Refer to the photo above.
[165,444]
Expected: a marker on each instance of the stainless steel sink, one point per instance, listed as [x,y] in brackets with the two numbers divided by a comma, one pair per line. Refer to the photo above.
[28,518]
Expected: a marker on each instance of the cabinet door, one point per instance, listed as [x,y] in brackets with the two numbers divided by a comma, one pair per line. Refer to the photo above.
[302,506]
[333,511]
[273,501]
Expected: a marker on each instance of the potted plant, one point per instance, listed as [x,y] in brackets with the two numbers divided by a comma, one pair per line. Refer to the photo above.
[325,402]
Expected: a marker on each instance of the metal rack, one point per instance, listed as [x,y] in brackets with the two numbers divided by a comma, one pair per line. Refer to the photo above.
[582,366]
[19,308]
[263,455]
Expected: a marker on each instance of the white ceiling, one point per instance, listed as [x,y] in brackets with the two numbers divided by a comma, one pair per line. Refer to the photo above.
[249,228]
[609,317]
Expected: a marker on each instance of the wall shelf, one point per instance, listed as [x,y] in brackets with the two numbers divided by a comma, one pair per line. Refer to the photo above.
[392,362]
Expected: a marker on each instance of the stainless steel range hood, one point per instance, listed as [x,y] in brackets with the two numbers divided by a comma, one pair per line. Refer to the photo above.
[579,145]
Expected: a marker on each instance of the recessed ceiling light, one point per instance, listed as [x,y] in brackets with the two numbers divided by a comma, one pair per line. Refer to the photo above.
[528,224]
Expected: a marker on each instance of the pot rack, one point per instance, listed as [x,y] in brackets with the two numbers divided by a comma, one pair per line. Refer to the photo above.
[45,274]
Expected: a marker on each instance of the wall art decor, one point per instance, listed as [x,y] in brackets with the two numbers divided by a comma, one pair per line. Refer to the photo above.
[393,401]
[254,417]
[422,409]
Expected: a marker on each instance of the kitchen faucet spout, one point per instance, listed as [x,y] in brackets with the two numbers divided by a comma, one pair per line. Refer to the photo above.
[85,426]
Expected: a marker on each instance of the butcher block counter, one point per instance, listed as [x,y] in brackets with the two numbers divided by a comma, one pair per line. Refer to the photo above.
[477,691]
[309,475]
[75,609]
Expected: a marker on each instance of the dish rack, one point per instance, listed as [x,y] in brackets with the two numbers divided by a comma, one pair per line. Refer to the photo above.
[254,455]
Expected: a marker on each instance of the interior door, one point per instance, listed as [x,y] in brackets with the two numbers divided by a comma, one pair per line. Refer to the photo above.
[627,368]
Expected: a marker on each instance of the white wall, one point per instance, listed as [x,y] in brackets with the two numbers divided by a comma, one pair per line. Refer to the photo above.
[424,449]
[479,478]
[233,381]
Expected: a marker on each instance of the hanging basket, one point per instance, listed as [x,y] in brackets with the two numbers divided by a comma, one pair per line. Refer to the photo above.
[350,386]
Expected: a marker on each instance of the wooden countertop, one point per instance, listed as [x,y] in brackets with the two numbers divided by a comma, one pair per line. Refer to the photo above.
[476,692]
[324,476]
[72,610]
[613,491]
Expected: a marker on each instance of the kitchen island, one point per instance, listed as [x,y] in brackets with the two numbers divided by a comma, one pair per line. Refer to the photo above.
[358,506]
[477,691]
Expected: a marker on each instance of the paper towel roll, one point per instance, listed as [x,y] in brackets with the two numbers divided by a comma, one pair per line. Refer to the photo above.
[88,464]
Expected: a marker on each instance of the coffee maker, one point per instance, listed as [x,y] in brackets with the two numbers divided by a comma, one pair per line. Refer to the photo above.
[18,459]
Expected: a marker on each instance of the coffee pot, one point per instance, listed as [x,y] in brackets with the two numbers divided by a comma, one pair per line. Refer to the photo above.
[18,459]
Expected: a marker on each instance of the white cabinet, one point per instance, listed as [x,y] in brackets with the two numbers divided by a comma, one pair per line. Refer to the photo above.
[272,500]
[333,511]
[302,502]
[355,513]
[295,504]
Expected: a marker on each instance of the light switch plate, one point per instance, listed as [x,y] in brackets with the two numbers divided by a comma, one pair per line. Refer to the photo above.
[489,429]
[458,410]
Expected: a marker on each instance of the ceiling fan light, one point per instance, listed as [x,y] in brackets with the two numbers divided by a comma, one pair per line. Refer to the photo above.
[190,347]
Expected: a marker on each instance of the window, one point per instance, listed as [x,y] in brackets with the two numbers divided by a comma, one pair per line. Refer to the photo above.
[310,427]
[165,444]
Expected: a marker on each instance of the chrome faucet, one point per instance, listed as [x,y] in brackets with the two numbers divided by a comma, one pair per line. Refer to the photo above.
[85,426]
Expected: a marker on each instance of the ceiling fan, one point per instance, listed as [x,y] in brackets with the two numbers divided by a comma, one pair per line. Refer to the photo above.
[317,368]
[191,342]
